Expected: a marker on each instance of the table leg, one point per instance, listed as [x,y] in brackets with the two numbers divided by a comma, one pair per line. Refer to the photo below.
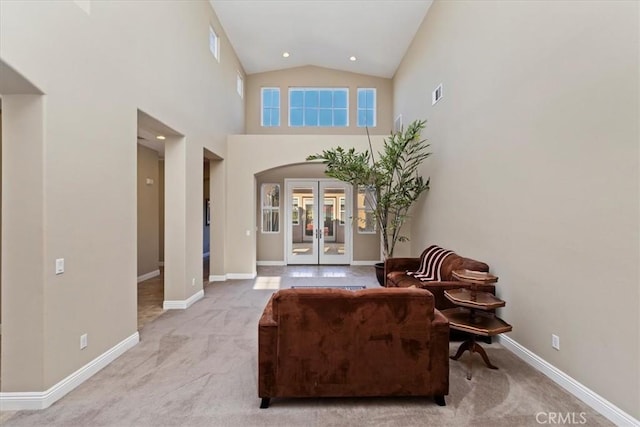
[473,347]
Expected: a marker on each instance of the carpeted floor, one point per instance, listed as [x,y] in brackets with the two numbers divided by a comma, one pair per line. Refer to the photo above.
[198,367]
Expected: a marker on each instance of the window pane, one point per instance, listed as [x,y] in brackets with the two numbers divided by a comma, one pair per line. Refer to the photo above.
[326,118]
[266,117]
[369,114]
[362,98]
[317,107]
[311,117]
[275,98]
[371,99]
[296,117]
[275,117]
[339,118]
[266,97]
[326,100]
[311,98]
[270,221]
[362,118]
[271,195]
[297,98]
[340,98]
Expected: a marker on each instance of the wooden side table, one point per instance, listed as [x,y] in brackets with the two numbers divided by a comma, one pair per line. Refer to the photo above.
[474,278]
[472,314]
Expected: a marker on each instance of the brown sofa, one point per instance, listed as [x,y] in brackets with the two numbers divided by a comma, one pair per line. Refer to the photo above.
[336,343]
[395,270]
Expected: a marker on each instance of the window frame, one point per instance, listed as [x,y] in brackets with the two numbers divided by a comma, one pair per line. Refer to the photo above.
[262,107]
[304,89]
[240,84]
[270,208]
[216,45]
[374,109]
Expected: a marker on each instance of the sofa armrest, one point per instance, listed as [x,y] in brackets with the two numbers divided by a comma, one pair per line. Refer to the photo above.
[440,353]
[267,351]
[400,264]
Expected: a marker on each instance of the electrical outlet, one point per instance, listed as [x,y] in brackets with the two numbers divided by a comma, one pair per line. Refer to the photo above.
[555,342]
[83,341]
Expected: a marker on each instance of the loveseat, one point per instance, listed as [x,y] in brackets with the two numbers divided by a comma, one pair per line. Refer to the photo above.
[337,343]
[396,275]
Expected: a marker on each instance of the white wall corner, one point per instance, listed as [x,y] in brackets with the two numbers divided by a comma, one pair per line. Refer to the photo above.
[150,275]
[183,304]
[588,396]
[17,401]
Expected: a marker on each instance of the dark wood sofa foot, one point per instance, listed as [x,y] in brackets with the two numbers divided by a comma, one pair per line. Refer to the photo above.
[265,402]
[440,400]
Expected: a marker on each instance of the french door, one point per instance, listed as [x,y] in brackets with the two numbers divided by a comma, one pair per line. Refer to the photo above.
[318,228]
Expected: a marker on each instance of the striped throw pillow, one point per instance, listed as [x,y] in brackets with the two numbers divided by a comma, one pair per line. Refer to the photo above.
[430,264]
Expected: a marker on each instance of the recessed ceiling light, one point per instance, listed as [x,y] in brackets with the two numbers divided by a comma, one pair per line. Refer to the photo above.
[160,137]
[285,54]
[353,58]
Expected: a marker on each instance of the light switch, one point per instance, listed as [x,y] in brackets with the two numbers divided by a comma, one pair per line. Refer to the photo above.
[247,232]
[59,265]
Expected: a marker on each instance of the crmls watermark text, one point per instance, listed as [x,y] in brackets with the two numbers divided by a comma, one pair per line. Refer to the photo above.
[561,418]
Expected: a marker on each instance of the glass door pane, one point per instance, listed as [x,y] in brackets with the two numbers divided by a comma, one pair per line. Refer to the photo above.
[335,227]
[303,239]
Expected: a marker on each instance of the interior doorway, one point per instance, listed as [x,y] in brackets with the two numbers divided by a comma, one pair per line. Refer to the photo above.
[317,215]
[150,219]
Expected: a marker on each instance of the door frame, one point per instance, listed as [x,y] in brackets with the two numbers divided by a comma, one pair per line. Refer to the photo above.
[347,258]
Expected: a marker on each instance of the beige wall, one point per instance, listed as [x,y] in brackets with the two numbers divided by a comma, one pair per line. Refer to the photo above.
[311,76]
[148,211]
[0,212]
[161,211]
[97,71]
[535,171]
[270,247]
[267,152]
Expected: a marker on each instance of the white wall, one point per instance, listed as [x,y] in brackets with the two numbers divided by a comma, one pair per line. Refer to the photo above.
[535,170]
[97,70]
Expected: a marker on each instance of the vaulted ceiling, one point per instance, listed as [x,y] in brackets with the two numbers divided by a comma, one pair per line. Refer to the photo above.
[324,33]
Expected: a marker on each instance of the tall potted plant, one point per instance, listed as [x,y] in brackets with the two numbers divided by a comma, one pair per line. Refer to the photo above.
[391,180]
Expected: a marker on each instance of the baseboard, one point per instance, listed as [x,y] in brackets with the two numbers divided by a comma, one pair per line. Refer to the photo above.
[588,396]
[218,278]
[17,401]
[268,263]
[237,276]
[206,254]
[364,262]
[183,304]
[150,275]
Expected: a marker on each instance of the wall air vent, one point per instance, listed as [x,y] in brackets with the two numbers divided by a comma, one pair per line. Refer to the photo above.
[436,95]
